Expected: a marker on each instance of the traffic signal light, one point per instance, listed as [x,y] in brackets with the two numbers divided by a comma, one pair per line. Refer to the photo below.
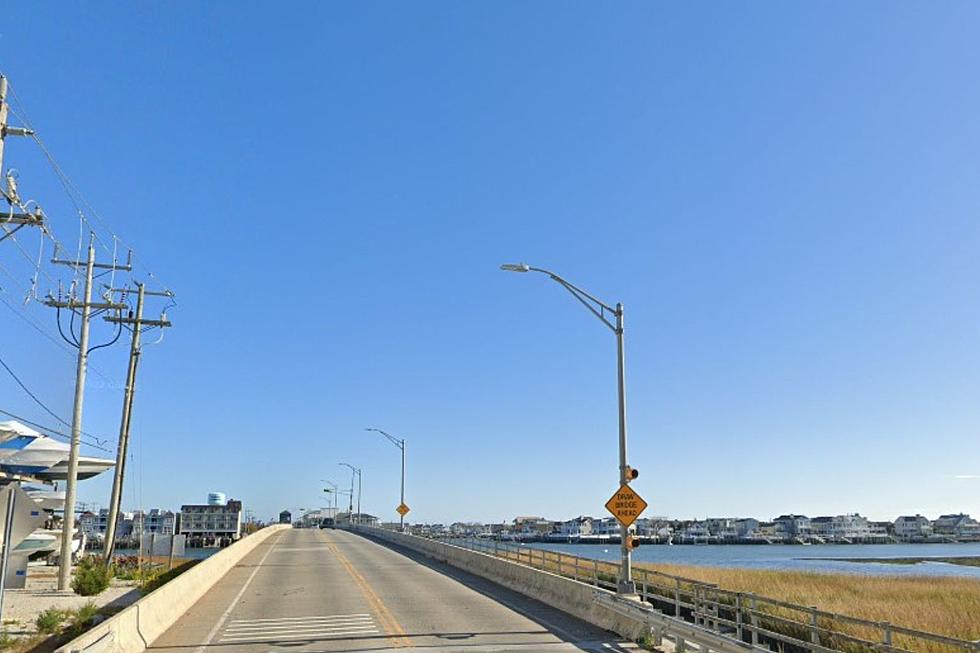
[632,542]
[631,473]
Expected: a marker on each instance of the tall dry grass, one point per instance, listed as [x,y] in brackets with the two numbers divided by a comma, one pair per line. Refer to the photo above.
[946,606]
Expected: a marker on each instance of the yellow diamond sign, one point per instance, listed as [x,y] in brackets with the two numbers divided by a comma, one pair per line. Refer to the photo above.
[626,505]
[402,510]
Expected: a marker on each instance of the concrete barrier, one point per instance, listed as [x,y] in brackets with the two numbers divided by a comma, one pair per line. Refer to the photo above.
[571,596]
[136,627]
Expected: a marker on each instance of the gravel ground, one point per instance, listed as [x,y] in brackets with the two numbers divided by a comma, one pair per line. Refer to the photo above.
[21,607]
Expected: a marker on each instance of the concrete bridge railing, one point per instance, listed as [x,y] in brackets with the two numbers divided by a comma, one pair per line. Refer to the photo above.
[136,627]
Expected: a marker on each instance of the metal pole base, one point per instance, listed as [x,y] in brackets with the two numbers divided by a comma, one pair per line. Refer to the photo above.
[626,588]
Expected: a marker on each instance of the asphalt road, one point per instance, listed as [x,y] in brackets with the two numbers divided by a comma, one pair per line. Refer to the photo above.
[330,590]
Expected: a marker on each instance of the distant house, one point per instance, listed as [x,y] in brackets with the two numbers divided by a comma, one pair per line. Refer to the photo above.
[790,526]
[575,527]
[746,527]
[605,526]
[960,526]
[696,530]
[721,527]
[211,525]
[840,527]
[912,527]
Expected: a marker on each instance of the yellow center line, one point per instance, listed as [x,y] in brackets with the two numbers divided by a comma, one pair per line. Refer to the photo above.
[396,634]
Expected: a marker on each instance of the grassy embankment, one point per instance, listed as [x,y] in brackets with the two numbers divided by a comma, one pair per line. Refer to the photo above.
[941,605]
[946,606]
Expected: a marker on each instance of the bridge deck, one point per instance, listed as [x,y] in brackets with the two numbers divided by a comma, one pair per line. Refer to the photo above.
[330,590]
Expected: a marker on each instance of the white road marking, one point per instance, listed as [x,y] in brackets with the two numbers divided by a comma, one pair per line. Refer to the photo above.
[359,615]
[218,624]
[283,628]
[300,626]
[320,634]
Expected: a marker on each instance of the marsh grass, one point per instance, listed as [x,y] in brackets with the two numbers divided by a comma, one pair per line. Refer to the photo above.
[940,605]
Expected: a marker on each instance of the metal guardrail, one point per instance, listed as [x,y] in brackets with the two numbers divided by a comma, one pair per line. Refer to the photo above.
[744,617]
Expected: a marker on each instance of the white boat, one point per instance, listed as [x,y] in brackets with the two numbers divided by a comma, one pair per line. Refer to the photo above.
[25,452]
[88,466]
[38,541]
[46,498]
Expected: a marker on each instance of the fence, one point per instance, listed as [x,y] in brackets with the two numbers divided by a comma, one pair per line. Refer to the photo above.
[746,617]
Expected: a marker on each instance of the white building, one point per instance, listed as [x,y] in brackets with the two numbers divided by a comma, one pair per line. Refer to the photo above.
[209,525]
[912,527]
[790,526]
[575,527]
[960,526]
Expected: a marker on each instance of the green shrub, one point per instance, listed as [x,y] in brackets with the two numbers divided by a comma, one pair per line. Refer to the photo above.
[91,577]
[82,618]
[6,641]
[49,622]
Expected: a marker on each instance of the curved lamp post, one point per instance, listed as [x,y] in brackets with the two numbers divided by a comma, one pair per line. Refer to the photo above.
[357,471]
[600,310]
[400,443]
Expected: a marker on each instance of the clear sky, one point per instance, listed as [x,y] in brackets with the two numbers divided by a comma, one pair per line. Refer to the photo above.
[784,196]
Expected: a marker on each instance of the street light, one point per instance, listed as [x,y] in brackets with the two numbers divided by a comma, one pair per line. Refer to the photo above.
[400,443]
[334,492]
[600,309]
[354,470]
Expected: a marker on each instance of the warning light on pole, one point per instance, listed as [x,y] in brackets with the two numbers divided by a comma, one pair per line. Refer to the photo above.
[631,473]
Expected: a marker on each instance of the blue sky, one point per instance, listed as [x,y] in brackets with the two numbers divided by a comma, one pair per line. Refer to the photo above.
[784,197]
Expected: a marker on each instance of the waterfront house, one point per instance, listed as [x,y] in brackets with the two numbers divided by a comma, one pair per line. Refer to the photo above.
[721,527]
[841,528]
[210,524]
[575,527]
[696,530]
[789,527]
[960,526]
[605,526]
[746,527]
[913,527]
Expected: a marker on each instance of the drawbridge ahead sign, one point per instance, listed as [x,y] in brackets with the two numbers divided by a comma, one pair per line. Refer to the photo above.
[626,505]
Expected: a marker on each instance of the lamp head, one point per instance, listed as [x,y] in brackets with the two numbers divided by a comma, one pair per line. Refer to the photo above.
[516,267]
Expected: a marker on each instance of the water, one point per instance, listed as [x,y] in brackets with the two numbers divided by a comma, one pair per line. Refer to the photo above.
[786,556]
[195,553]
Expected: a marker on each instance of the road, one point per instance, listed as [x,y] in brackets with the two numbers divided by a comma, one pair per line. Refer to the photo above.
[331,590]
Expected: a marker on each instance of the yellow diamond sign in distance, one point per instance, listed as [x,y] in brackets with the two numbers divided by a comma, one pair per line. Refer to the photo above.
[402,510]
[626,505]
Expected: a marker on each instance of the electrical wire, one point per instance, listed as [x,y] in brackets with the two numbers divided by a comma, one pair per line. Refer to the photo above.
[42,404]
[71,190]
[50,431]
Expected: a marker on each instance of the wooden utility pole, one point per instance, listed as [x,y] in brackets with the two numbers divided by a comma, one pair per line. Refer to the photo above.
[86,306]
[136,324]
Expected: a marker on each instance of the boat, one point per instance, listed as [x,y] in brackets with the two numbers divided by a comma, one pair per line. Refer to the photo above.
[38,541]
[46,498]
[88,466]
[25,452]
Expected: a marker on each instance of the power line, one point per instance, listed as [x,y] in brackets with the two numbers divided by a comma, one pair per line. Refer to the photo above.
[58,343]
[42,404]
[48,430]
[73,193]
[31,394]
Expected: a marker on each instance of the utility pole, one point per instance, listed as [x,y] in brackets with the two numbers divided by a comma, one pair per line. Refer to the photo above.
[137,325]
[5,129]
[86,306]
[10,192]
